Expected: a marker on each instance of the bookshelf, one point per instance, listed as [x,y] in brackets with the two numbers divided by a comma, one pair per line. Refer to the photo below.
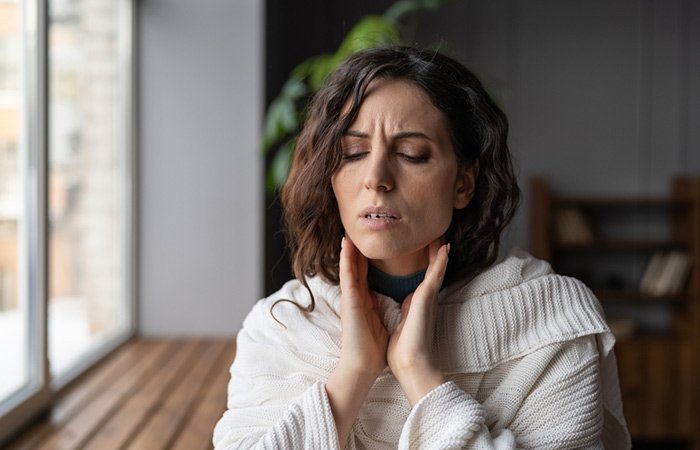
[609,243]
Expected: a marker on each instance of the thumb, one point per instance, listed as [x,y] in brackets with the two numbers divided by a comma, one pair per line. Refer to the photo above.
[405,306]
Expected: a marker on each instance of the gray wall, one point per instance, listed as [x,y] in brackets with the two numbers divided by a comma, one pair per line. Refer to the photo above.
[200,170]
[603,97]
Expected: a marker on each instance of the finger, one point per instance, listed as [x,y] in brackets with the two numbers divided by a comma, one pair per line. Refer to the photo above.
[405,308]
[406,305]
[417,317]
[427,291]
[433,250]
[437,265]
[346,270]
[359,263]
[361,266]
[352,270]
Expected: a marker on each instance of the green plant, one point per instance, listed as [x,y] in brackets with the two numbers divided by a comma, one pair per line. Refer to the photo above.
[284,116]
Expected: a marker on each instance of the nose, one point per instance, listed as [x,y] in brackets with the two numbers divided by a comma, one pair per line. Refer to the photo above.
[379,175]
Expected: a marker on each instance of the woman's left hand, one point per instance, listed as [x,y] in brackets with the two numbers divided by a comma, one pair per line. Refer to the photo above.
[410,352]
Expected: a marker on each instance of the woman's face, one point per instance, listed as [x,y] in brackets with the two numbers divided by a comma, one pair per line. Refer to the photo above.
[399,179]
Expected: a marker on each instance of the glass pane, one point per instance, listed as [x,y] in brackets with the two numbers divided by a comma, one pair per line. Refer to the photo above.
[87,294]
[13,308]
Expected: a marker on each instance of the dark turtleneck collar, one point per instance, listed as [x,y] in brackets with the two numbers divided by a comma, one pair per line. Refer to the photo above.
[396,287]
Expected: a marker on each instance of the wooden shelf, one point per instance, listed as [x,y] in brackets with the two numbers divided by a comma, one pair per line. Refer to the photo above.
[620,202]
[645,338]
[658,372]
[634,295]
[621,245]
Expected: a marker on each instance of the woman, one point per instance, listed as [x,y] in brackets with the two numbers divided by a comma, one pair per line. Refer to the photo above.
[402,329]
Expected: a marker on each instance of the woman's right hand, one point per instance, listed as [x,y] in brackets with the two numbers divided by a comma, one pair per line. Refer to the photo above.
[364,337]
[363,346]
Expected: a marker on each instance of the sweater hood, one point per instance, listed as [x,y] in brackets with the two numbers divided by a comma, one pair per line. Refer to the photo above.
[515,268]
[510,270]
[515,306]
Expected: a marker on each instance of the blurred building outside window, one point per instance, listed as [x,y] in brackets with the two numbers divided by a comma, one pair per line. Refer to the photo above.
[87,175]
[13,329]
[87,292]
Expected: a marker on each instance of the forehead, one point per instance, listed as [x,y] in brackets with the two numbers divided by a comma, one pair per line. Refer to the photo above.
[397,104]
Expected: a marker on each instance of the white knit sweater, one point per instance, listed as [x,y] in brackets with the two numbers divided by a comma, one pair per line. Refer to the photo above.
[527,354]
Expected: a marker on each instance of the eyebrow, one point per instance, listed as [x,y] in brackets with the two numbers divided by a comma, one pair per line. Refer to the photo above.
[399,135]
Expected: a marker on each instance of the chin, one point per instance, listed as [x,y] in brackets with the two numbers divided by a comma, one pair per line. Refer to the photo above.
[371,252]
[374,248]
[383,249]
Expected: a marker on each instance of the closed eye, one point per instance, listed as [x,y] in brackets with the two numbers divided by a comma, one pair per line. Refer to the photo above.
[414,159]
[353,156]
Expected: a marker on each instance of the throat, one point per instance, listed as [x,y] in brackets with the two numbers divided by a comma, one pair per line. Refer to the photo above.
[396,287]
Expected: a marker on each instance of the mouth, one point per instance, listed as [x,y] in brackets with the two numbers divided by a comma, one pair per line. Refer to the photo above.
[379,216]
[380,213]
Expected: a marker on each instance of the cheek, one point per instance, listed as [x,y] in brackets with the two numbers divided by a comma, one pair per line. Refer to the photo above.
[440,218]
[340,192]
[337,186]
[437,207]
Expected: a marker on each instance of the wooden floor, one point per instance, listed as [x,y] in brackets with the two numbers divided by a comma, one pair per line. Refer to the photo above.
[148,395]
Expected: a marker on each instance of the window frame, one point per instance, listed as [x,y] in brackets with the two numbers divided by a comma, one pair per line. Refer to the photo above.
[27,403]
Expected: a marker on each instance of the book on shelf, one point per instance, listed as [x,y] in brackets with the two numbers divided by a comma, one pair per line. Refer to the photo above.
[666,273]
[622,328]
[652,272]
[572,227]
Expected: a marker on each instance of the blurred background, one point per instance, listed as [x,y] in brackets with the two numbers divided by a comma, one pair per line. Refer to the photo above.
[133,197]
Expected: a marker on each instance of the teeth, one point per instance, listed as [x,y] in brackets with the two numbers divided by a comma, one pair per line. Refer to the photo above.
[378,216]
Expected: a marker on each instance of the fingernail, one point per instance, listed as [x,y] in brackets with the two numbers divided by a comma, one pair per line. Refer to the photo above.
[448,248]
[342,242]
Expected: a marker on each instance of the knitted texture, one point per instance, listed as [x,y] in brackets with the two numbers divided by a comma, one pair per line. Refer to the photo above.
[527,354]
[395,286]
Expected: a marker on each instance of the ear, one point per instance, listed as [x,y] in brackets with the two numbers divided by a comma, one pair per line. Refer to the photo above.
[465,185]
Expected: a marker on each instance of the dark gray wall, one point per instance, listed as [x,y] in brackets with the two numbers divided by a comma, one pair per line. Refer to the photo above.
[603,97]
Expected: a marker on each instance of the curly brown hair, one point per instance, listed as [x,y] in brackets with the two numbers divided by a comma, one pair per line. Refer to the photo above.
[478,130]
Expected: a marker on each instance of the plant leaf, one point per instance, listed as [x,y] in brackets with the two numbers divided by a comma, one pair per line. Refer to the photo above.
[402,8]
[294,88]
[324,65]
[279,168]
[306,67]
[399,9]
[370,31]
[280,120]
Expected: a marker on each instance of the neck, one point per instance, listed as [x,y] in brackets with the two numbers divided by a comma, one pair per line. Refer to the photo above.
[396,287]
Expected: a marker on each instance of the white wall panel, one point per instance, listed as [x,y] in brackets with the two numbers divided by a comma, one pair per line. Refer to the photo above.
[201,176]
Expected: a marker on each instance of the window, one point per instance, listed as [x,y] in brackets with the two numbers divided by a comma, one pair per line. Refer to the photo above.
[87,181]
[13,214]
[66,194]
